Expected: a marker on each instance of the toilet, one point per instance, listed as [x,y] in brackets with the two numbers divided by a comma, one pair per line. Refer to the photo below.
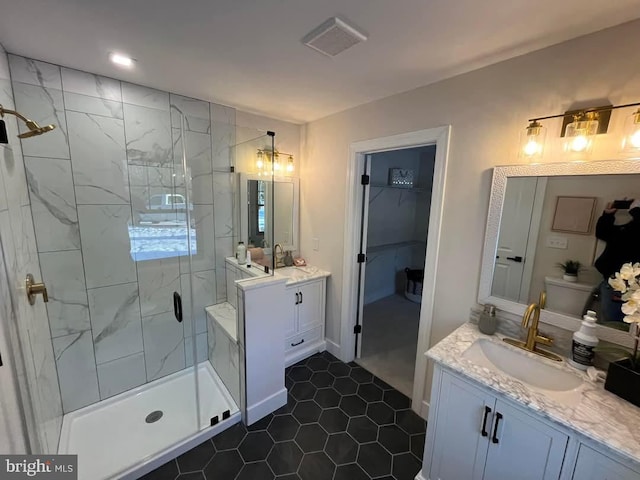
[567,297]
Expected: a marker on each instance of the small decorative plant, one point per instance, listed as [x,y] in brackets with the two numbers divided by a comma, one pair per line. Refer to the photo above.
[571,267]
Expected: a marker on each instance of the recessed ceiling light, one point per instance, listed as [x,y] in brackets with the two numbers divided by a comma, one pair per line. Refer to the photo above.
[121,60]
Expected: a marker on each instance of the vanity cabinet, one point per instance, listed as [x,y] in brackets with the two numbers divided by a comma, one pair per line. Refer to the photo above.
[474,435]
[306,318]
[593,465]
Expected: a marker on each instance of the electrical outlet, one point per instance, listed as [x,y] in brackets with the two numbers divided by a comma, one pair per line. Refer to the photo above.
[316,244]
[557,242]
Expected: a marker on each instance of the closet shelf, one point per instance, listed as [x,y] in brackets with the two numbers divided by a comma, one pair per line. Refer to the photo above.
[411,189]
[393,246]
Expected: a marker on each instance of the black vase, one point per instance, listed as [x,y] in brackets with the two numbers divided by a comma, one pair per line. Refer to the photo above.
[624,381]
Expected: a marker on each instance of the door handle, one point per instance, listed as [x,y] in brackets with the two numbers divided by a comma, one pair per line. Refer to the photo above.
[301,299]
[487,411]
[517,259]
[495,439]
[297,299]
[34,289]
[298,343]
[177,306]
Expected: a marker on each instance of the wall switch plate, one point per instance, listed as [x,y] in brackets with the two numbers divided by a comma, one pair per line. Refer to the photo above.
[316,244]
[555,241]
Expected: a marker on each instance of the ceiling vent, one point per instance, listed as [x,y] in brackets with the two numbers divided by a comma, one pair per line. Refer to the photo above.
[333,37]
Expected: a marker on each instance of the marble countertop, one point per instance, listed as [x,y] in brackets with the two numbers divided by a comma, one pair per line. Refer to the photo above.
[301,274]
[599,415]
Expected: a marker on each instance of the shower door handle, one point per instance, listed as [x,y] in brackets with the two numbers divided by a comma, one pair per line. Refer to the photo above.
[177,306]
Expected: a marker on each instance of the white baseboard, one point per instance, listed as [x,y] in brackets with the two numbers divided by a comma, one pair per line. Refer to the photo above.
[333,348]
[270,404]
[303,353]
[424,409]
[419,476]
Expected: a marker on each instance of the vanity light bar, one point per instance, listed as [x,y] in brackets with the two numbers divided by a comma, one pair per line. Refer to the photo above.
[579,128]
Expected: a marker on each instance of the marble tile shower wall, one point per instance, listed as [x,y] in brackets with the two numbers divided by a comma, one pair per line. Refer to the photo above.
[90,180]
[32,354]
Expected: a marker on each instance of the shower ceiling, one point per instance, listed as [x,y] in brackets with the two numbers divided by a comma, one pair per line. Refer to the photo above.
[249,54]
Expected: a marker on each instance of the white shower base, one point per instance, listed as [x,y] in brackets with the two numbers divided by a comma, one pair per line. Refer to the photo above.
[112,439]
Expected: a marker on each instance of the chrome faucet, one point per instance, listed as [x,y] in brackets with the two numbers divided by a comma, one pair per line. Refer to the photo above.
[278,257]
[530,321]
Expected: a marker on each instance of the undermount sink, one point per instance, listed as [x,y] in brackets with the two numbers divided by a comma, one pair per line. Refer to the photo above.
[559,384]
[293,271]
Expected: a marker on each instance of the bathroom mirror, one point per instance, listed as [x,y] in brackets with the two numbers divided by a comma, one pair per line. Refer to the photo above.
[543,215]
[264,210]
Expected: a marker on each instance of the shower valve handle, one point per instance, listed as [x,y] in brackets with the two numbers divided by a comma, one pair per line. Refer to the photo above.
[34,289]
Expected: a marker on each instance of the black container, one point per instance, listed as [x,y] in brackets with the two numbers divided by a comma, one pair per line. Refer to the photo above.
[624,381]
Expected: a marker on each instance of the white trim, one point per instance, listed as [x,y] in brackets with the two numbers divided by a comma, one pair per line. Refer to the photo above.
[264,407]
[498,188]
[333,348]
[440,137]
[424,409]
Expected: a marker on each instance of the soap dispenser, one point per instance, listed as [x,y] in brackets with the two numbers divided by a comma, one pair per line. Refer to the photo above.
[584,342]
[241,253]
[487,323]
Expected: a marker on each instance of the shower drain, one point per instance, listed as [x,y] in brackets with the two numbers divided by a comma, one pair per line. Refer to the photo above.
[154,416]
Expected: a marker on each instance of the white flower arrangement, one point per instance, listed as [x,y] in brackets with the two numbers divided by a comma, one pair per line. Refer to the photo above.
[627,282]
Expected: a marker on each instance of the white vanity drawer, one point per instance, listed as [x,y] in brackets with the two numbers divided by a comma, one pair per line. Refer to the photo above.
[301,340]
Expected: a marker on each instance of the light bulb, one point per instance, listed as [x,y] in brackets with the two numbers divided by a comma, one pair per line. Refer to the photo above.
[580,134]
[579,143]
[531,148]
[635,140]
[290,164]
[532,141]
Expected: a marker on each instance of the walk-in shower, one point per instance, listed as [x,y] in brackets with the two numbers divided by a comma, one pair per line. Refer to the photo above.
[131,199]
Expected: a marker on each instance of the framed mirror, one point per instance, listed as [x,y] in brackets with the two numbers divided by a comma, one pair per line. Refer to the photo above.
[543,216]
[265,210]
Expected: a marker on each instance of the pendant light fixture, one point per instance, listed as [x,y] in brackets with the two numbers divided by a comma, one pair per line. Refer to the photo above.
[580,133]
[631,141]
[532,141]
[579,130]
[266,162]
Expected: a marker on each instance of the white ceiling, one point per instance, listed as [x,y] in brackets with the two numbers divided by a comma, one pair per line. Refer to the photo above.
[248,53]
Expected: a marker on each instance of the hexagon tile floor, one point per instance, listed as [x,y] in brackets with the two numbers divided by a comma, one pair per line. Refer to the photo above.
[341,423]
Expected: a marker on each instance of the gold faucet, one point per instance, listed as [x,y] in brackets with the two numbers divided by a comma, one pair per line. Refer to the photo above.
[278,257]
[530,320]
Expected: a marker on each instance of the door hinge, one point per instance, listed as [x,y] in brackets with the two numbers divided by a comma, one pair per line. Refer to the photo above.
[357,329]
[364,180]
[362,258]
[214,420]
